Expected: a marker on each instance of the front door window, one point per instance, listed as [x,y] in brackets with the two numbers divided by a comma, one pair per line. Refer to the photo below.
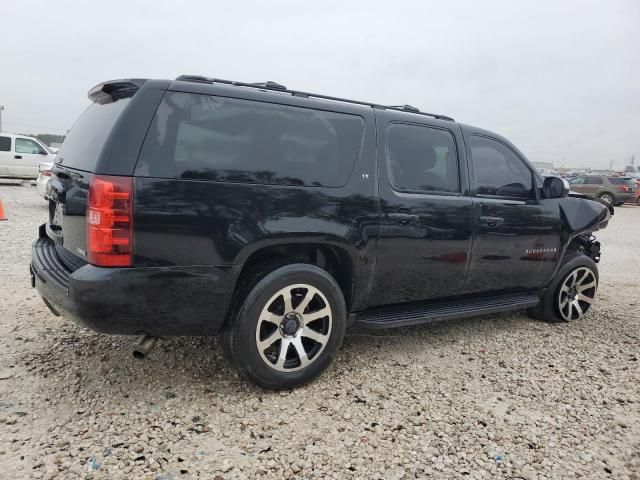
[498,171]
[24,145]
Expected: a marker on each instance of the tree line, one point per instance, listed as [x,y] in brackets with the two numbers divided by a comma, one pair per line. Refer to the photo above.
[48,138]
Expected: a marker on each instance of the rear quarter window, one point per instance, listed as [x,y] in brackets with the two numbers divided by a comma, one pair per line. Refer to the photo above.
[621,181]
[204,137]
[82,146]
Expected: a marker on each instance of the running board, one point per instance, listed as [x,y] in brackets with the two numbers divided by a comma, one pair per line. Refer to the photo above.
[405,315]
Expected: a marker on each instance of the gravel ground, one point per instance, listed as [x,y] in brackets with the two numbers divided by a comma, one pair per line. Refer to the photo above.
[498,396]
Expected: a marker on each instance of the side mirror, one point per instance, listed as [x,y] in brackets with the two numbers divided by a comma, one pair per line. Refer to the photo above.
[555,187]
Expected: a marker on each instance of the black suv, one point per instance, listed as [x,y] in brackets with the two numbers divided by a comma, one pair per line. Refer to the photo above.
[280,218]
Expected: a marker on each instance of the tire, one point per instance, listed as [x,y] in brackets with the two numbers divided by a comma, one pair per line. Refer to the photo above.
[638,201]
[607,197]
[284,309]
[556,305]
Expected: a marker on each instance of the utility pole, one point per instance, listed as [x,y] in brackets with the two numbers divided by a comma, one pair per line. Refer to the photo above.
[1,109]
[611,164]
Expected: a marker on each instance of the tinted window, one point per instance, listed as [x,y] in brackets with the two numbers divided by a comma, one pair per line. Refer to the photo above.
[5,144]
[83,144]
[621,181]
[593,181]
[498,170]
[576,181]
[24,145]
[212,138]
[422,158]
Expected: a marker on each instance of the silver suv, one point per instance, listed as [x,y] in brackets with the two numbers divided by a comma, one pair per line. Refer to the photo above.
[613,190]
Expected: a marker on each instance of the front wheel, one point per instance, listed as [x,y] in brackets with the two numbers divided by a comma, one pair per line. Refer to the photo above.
[571,293]
[288,328]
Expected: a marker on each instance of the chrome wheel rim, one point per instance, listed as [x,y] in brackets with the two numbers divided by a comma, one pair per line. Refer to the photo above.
[294,328]
[607,198]
[576,293]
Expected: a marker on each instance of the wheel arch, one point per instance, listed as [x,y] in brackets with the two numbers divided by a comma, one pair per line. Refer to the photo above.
[607,192]
[331,257]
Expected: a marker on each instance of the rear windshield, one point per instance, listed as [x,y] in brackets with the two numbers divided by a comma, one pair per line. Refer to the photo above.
[203,137]
[83,144]
[621,181]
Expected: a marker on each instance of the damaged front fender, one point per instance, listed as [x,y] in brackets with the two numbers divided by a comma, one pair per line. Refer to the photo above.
[582,214]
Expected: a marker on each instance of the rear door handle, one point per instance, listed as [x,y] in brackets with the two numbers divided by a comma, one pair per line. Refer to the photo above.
[17,156]
[491,222]
[404,218]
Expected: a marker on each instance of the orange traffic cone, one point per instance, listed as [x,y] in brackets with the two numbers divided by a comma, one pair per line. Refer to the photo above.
[2,215]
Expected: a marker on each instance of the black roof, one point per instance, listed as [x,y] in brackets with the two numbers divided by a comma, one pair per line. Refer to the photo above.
[276,87]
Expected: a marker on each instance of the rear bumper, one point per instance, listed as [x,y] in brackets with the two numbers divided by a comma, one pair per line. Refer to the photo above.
[160,301]
[625,197]
[41,185]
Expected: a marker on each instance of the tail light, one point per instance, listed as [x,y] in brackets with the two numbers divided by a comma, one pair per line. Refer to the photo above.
[45,173]
[110,221]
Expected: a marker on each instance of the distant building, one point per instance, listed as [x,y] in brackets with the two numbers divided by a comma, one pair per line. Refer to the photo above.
[543,167]
[548,165]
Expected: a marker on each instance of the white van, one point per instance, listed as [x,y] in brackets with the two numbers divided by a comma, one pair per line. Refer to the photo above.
[20,156]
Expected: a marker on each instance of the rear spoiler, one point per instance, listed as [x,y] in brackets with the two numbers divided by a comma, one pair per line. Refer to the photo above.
[113,90]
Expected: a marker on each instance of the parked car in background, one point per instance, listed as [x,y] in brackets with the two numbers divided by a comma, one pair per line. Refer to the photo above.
[44,176]
[613,190]
[20,156]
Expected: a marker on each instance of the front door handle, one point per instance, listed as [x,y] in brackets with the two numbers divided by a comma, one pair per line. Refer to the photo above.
[404,218]
[17,156]
[491,222]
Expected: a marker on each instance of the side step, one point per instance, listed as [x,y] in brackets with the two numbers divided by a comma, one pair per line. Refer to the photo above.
[405,315]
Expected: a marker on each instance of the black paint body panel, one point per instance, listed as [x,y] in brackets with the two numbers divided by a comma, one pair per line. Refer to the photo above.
[133,301]
[192,238]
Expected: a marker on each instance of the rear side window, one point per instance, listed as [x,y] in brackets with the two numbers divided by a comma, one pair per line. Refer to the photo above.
[83,144]
[593,181]
[422,158]
[5,144]
[212,138]
[498,171]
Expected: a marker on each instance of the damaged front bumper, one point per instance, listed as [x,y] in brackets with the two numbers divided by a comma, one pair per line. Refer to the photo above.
[588,245]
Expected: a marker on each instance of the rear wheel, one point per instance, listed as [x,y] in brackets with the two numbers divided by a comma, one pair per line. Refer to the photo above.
[572,292]
[288,328]
[607,197]
[638,201]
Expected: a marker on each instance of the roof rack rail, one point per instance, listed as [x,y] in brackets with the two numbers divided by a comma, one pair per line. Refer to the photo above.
[270,85]
[407,108]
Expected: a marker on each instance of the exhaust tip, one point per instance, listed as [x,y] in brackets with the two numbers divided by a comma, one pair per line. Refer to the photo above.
[144,347]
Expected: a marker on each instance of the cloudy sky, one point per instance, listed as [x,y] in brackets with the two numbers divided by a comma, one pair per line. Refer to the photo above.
[561,79]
